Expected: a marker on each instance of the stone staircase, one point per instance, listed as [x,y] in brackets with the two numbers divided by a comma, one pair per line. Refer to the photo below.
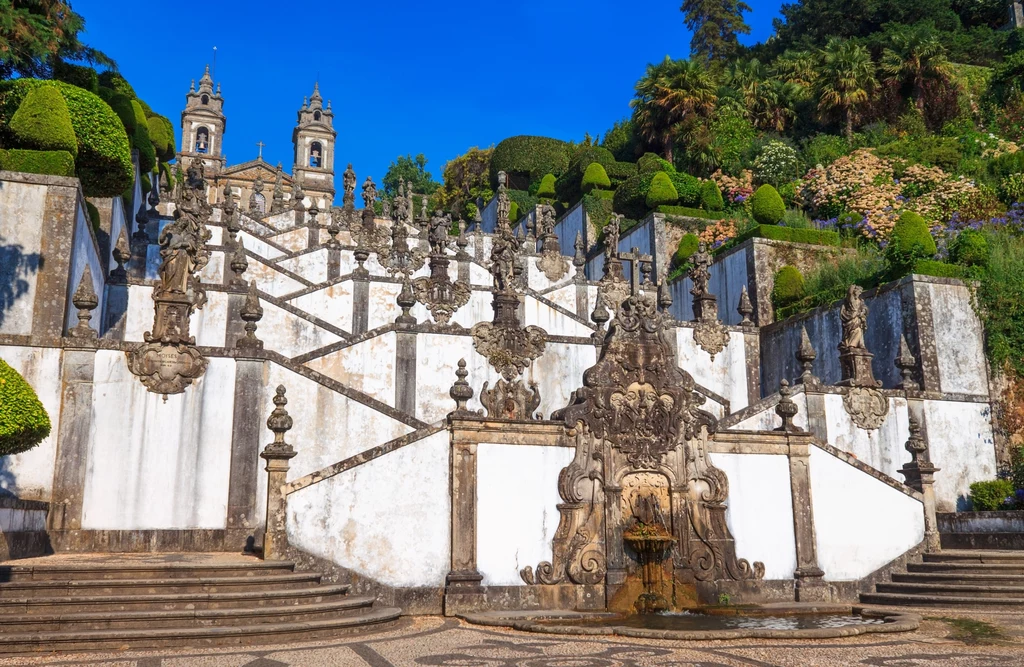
[108,602]
[956,578]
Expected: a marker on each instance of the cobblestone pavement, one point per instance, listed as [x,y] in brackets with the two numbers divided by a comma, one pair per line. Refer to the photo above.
[441,642]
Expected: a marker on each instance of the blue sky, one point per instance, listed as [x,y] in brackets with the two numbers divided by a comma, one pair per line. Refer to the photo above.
[404,77]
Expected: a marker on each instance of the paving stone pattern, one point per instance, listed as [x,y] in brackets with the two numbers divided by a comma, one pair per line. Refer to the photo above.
[451,643]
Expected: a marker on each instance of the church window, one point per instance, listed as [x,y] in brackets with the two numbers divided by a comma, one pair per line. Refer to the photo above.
[205,99]
[261,202]
[316,115]
[316,154]
[202,140]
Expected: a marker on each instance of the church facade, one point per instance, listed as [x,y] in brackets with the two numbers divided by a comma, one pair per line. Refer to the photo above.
[258,184]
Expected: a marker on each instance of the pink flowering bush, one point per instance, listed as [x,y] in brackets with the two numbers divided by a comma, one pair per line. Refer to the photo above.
[735,189]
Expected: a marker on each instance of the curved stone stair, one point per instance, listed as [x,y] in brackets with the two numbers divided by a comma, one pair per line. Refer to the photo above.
[92,601]
[956,578]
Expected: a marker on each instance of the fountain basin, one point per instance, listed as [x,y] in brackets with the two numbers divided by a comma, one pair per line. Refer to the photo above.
[791,621]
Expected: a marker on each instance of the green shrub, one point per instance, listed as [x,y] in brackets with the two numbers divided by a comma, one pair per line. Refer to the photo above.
[711,196]
[789,286]
[824,149]
[687,246]
[118,84]
[94,215]
[529,158]
[777,233]
[689,212]
[104,163]
[795,218]
[1007,164]
[146,183]
[595,177]
[141,141]
[650,163]
[546,189]
[829,280]
[23,419]
[931,267]
[767,206]
[598,205]
[776,164]
[122,106]
[661,192]
[42,122]
[989,496]
[620,171]
[1017,466]
[603,194]
[54,163]
[513,211]
[161,133]
[77,75]
[909,241]
[1011,188]
[687,187]
[523,199]
[969,248]
[631,197]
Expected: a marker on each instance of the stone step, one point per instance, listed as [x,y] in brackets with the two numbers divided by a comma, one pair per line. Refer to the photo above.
[185,618]
[967,568]
[170,601]
[261,633]
[954,590]
[914,600]
[66,570]
[94,587]
[975,556]
[972,578]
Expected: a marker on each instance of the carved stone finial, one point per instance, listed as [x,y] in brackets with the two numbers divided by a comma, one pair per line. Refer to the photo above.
[122,253]
[664,295]
[251,313]
[462,242]
[239,264]
[806,356]
[280,422]
[406,300]
[141,235]
[438,292]
[600,316]
[919,471]
[745,309]
[461,392]
[787,409]
[907,363]
[579,259]
[84,299]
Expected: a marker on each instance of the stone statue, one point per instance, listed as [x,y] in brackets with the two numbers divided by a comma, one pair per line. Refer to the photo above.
[385,209]
[611,235]
[504,204]
[181,242]
[700,274]
[369,193]
[854,317]
[349,180]
[438,236]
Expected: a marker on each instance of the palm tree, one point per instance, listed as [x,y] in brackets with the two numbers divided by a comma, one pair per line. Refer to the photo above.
[914,57]
[845,80]
[773,108]
[668,95]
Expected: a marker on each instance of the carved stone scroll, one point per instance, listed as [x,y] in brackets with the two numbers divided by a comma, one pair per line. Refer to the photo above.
[867,407]
[551,262]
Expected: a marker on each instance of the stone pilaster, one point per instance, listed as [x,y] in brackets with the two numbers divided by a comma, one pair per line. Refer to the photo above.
[917,314]
[234,327]
[919,473]
[72,456]
[242,522]
[277,454]
[56,242]
[752,358]
[810,584]
[405,372]
[360,301]
[463,579]
[333,262]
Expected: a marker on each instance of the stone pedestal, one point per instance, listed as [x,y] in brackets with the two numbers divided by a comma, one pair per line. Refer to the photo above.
[72,457]
[277,454]
[810,583]
[855,363]
[462,585]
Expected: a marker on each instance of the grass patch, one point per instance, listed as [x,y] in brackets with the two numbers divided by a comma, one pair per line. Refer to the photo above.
[973,632]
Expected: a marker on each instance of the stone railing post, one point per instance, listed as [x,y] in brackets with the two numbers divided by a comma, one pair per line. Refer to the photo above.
[277,454]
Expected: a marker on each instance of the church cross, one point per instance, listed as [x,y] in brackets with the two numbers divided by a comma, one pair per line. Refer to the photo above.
[261,145]
[634,257]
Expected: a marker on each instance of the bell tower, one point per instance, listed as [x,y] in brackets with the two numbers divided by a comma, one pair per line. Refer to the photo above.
[314,137]
[202,126]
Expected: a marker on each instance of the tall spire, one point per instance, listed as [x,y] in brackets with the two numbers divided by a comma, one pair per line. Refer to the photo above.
[206,83]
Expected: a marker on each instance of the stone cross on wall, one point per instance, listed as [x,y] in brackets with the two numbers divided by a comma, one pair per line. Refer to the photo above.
[635,258]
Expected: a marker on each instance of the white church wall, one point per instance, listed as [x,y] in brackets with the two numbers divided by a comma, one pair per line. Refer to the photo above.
[768,420]
[958,339]
[437,357]
[269,279]
[294,239]
[760,510]
[565,297]
[367,366]
[517,494]
[332,304]
[30,475]
[882,448]
[285,332]
[551,320]
[154,463]
[726,375]
[258,246]
[388,519]
[860,522]
[311,265]
[21,230]
[960,443]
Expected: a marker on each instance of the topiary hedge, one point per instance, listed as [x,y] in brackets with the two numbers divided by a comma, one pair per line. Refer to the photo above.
[650,163]
[54,163]
[687,246]
[688,212]
[990,496]
[687,188]
[661,192]
[118,84]
[789,286]
[546,189]
[620,171]
[711,196]
[969,248]
[630,198]
[77,75]
[94,215]
[161,134]
[141,141]
[776,233]
[42,122]
[529,157]
[766,206]
[909,242]
[931,267]
[595,178]
[104,162]
[23,419]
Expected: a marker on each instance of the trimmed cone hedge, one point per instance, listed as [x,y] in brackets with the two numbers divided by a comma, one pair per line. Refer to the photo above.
[595,177]
[661,192]
[42,122]
[789,286]
[104,162]
[766,205]
[23,419]
[54,163]
[711,196]
[546,189]
[909,242]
